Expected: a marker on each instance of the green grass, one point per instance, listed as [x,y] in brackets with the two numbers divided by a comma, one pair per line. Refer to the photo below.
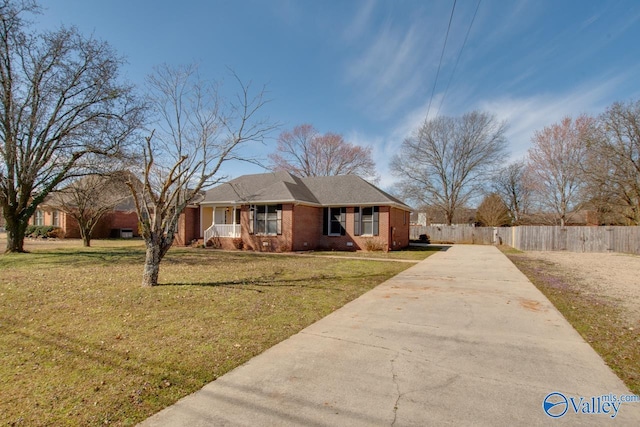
[599,320]
[82,343]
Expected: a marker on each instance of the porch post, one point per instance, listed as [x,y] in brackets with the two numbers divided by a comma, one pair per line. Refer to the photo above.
[234,221]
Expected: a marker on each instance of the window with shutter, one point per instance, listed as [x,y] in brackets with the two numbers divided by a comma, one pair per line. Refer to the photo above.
[370,221]
[267,219]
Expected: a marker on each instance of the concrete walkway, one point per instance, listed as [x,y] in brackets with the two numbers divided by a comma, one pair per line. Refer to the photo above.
[462,338]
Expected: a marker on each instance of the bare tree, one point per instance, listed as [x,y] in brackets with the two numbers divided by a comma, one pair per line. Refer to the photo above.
[305,152]
[554,164]
[511,184]
[493,211]
[195,134]
[448,159]
[60,100]
[89,198]
[613,166]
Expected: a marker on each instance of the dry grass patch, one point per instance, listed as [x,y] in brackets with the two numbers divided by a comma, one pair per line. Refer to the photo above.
[600,319]
[82,343]
[411,253]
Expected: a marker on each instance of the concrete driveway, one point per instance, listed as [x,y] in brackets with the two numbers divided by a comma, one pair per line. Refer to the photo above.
[462,338]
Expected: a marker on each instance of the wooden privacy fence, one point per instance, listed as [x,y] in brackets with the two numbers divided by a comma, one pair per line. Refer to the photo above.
[539,238]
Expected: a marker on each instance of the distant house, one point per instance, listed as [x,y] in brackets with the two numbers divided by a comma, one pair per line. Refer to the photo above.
[280,212]
[120,220]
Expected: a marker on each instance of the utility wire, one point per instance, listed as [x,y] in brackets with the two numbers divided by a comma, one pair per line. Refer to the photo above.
[433,91]
[458,60]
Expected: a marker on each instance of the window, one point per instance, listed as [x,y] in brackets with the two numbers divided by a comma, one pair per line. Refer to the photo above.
[55,215]
[266,219]
[369,221]
[38,218]
[334,221]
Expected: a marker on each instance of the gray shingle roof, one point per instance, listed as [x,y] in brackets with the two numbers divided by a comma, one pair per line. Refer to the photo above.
[282,187]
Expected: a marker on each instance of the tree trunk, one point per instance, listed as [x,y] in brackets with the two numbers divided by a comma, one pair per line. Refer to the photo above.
[449,217]
[86,236]
[16,230]
[152,264]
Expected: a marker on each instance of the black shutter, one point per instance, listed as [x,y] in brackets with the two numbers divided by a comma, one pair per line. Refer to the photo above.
[325,221]
[252,216]
[356,222]
[343,221]
[375,221]
[279,217]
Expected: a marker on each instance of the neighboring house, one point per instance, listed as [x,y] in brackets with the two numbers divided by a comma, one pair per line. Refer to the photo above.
[280,212]
[121,221]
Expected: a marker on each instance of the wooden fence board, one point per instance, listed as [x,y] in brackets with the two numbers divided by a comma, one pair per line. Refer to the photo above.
[540,238]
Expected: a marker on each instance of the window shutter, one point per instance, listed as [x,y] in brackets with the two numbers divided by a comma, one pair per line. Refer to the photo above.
[356,222]
[325,221]
[343,221]
[375,221]
[279,223]
[252,210]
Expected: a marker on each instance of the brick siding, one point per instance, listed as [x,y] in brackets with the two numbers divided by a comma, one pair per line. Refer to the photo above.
[302,230]
[188,227]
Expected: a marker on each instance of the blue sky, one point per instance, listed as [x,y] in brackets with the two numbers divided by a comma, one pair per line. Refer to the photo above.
[367,69]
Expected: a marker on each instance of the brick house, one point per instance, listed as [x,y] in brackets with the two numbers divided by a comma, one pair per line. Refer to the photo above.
[121,221]
[279,212]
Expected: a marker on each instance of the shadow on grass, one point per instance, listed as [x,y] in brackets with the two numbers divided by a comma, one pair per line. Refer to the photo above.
[425,247]
[274,282]
[197,257]
[76,257]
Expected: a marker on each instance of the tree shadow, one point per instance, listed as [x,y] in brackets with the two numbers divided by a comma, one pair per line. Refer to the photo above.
[418,247]
[273,282]
[80,257]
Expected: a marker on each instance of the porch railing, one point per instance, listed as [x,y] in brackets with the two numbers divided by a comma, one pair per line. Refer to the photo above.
[222,230]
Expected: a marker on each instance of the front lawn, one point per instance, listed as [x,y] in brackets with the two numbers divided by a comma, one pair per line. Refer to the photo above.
[82,343]
[412,253]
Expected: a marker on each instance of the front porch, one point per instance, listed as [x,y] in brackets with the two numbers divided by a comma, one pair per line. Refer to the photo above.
[220,222]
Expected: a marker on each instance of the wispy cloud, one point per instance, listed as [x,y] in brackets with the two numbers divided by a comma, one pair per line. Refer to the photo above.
[388,72]
[359,24]
[525,115]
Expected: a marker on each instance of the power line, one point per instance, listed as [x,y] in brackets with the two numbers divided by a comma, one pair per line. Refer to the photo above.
[441,56]
[459,55]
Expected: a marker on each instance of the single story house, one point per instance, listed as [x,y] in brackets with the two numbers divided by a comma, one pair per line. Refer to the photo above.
[279,212]
[120,221]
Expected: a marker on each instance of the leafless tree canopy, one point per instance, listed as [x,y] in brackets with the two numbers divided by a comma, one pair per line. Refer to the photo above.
[89,198]
[194,135]
[612,169]
[510,183]
[448,160]
[554,164]
[305,152]
[60,99]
